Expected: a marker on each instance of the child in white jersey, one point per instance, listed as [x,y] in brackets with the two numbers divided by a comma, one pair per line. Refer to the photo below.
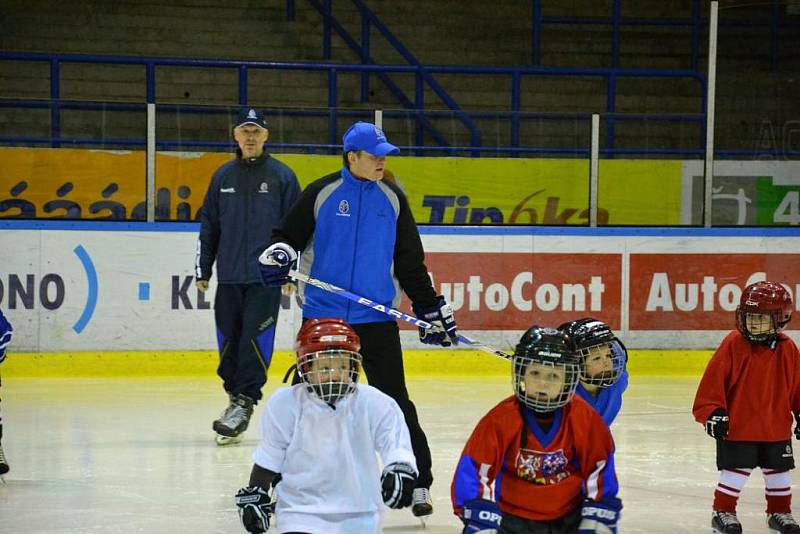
[320,437]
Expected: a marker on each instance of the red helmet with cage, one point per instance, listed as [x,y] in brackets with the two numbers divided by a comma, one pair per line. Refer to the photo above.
[328,358]
[767,298]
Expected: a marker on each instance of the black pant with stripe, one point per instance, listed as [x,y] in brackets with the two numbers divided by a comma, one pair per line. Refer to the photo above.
[246,317]
[383,364]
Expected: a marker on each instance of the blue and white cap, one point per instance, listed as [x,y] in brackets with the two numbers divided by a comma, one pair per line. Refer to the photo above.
[368,137]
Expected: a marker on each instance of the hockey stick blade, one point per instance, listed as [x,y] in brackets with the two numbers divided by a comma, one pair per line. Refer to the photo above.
[397,314]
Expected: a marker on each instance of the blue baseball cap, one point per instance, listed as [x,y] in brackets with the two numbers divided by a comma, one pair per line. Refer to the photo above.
[368,137]
[251,116]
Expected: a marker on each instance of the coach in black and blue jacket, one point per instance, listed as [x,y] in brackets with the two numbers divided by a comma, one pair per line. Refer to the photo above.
[356,231]
[246,199]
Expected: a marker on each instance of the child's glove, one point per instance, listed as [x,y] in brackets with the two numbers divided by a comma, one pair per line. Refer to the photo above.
[600,517]
[397,484]
[797,426]
[717,424]
[255,508]
[480,515]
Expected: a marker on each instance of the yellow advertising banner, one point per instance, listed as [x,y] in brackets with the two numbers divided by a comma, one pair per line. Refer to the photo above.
[102,184]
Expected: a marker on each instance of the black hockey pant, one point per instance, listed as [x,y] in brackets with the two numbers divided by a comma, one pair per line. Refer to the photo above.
[246,317]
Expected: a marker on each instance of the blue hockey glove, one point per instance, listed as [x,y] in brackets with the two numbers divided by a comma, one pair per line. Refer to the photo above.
[717,424]
[600,517]
[397,484]
[275,263]
[5,335]
[480,515]
[255,509]
[445,332]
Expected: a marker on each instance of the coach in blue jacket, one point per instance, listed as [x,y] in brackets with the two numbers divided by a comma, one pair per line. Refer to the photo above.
[246,199]
[356,231]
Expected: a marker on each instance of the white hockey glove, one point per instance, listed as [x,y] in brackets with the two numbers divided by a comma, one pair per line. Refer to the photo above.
[275,263]
[255,509]
[397,484]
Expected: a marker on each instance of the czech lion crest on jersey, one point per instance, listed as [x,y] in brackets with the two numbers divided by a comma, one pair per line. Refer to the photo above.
[542,468]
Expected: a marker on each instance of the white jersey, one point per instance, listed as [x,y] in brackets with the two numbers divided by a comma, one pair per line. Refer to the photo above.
[327,456]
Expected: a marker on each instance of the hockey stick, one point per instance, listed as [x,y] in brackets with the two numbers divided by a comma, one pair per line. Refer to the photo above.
[297,275]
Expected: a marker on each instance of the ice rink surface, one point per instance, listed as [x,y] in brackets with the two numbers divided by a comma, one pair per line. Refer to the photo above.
[117,455]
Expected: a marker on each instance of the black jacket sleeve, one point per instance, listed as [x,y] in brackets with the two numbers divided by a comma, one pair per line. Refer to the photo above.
[208,241]
[297,227]
[409,257]
[290,193]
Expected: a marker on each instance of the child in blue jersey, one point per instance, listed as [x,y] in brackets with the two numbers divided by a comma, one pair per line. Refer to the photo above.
[604,377]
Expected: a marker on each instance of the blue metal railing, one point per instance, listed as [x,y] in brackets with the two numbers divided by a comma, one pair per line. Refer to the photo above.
[514,117]
[695,22]
[369,19]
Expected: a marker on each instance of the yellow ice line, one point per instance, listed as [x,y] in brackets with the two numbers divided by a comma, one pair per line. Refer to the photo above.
[204,363]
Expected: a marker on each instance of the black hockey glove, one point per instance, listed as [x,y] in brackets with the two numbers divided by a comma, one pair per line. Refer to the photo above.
[717,424]
[397,484]
[255,509]
[797,426]
[445,331]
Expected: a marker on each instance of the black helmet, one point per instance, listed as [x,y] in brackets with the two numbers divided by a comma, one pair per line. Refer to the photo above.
[545,359]
[594,340]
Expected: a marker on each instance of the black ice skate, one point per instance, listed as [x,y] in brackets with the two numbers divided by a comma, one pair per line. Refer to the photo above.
[3,463]
[421,504]
[725,523]
[234,420]
[782,524]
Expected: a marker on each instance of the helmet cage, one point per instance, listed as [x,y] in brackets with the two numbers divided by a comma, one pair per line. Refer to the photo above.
[550,349]
[615,351]
[541,402]
[330,374]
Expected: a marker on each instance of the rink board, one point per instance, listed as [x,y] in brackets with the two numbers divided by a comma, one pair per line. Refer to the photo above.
[438,363]
[127,288]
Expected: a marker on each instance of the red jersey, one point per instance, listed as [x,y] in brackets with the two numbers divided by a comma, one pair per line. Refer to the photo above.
[536,475]
[757,386]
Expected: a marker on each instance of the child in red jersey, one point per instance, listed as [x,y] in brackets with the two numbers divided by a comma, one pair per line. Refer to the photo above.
[746,399]
[541,461]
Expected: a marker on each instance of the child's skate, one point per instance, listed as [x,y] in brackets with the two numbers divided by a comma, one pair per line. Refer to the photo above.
[782,524]
[725,523]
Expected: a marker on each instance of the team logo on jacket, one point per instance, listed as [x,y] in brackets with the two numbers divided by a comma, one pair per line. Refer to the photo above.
[344,209]
[263,188]
[542,468]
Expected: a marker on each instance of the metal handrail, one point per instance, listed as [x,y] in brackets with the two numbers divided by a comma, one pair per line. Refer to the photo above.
[516,74]
[695,22]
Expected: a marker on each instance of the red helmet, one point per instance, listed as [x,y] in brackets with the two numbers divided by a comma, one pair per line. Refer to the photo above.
[766,298]
[325,334]
[328,358]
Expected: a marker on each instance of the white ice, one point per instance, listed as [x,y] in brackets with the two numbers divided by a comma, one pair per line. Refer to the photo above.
[118,455]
